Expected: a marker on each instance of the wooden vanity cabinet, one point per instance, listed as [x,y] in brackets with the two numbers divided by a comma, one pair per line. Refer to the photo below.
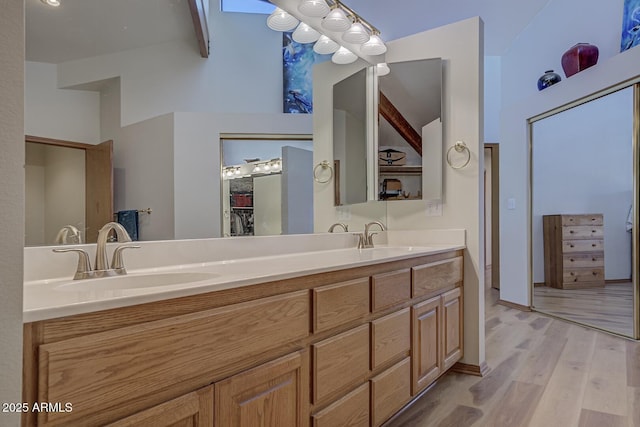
[273,394]
[194,409]
[343,348]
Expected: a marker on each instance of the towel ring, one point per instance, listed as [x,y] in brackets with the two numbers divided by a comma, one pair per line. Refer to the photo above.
[320,167]
[460,147]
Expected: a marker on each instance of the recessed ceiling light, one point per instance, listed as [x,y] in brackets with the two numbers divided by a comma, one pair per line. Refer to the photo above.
[54,3]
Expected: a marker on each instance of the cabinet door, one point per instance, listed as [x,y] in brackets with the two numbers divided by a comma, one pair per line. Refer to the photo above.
[191,410]
[452,336]
[275,394]
[426,319]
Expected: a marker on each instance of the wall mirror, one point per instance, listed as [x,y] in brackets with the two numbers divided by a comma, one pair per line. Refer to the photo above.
[267,185]
[584,211]
[350,139]
[410,131]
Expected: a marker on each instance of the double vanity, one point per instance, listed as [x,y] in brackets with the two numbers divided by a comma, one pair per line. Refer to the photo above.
[274,331]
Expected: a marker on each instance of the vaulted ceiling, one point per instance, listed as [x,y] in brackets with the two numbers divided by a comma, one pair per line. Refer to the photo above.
[81,28]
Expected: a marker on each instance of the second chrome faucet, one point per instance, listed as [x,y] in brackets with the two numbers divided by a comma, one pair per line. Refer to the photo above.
[365,240]
[102,268]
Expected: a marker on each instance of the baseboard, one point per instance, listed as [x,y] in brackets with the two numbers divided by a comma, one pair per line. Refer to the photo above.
[476,370]
[514,305]
[537,285]
[614,281]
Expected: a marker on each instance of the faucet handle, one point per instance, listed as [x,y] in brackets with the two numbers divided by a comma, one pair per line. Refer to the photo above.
[117,263]
[84,264]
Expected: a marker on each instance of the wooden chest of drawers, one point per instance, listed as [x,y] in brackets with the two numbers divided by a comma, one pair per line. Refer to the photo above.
[573,251]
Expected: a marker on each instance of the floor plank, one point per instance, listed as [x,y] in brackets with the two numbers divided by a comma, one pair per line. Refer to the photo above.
[600,419]
[545,373]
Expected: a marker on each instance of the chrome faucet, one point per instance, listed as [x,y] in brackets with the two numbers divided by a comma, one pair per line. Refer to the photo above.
[366,238]
[339,224]
[68,235]
[102,269]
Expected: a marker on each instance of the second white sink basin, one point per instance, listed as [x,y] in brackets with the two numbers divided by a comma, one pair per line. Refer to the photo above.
[136,281]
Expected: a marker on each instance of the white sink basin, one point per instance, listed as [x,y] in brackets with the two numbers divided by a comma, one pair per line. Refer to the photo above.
[135,281]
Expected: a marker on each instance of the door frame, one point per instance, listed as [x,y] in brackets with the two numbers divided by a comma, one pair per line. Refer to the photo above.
[495,213]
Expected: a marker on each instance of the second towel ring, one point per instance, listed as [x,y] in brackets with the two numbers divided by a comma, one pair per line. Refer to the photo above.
[460,147]
[320,167]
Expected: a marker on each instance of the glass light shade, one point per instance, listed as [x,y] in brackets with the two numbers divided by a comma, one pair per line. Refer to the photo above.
[314,8]
[325,46]
[375,46]
[343,56]
[336,20]
[305,34]
[54,3]
[383,69]
[356,34]
[280,20]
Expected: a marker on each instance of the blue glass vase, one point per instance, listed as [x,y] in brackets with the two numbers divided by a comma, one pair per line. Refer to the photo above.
[549,78]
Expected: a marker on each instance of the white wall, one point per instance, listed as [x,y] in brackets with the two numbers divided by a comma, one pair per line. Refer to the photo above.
[514,170]
[143,175]
[267,205]
[34,195]
[556,28]
[243,73]
[460,46]
[492,97]
[234,152]
[583,163]
[11,203]
[50,112]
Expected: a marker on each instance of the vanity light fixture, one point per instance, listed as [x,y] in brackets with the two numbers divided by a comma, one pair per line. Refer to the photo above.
[279,20]
[343,56]
[315,8]
[382,69]
[334,27]
[325,46]
[54,3]
[305,34]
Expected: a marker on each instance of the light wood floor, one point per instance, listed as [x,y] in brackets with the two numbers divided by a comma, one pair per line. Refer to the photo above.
[609,308]
[545,372]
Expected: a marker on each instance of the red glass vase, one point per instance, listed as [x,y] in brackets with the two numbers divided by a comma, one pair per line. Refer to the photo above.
[578,58]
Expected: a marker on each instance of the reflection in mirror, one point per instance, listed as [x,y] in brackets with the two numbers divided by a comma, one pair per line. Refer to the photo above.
[267,186]
[350,139]
[54,193]
[410,131]
[582,197]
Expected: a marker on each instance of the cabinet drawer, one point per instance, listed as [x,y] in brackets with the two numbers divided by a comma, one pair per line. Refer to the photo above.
[575,275]
[340,362]
[594,219]
[390,288]
[115,372]
[571,246]
[341,303]
[390,391]
[595,259]
[351,410]
[390,338]
[432,278]
[582,232]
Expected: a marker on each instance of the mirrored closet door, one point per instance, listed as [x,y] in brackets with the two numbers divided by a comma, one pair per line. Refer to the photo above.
[583,211]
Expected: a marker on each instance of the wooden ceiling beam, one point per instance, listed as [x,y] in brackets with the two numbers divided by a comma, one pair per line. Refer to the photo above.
[200,24]
[395,118]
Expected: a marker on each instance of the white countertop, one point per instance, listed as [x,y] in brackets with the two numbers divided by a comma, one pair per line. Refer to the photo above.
[61,296]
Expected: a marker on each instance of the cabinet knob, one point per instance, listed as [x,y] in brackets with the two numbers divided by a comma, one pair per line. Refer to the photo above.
[593,259]
[593,245]
[571,246]
[571,231]
[593,231]
[594,273]
[571,259]
[572,273]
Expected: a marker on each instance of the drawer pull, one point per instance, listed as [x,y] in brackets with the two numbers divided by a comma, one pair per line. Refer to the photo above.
[593,231]
[594,273]
[593,245]
[593,259]
[572,246]
[572,273]
[571,231]
[593,219]
[571,259]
